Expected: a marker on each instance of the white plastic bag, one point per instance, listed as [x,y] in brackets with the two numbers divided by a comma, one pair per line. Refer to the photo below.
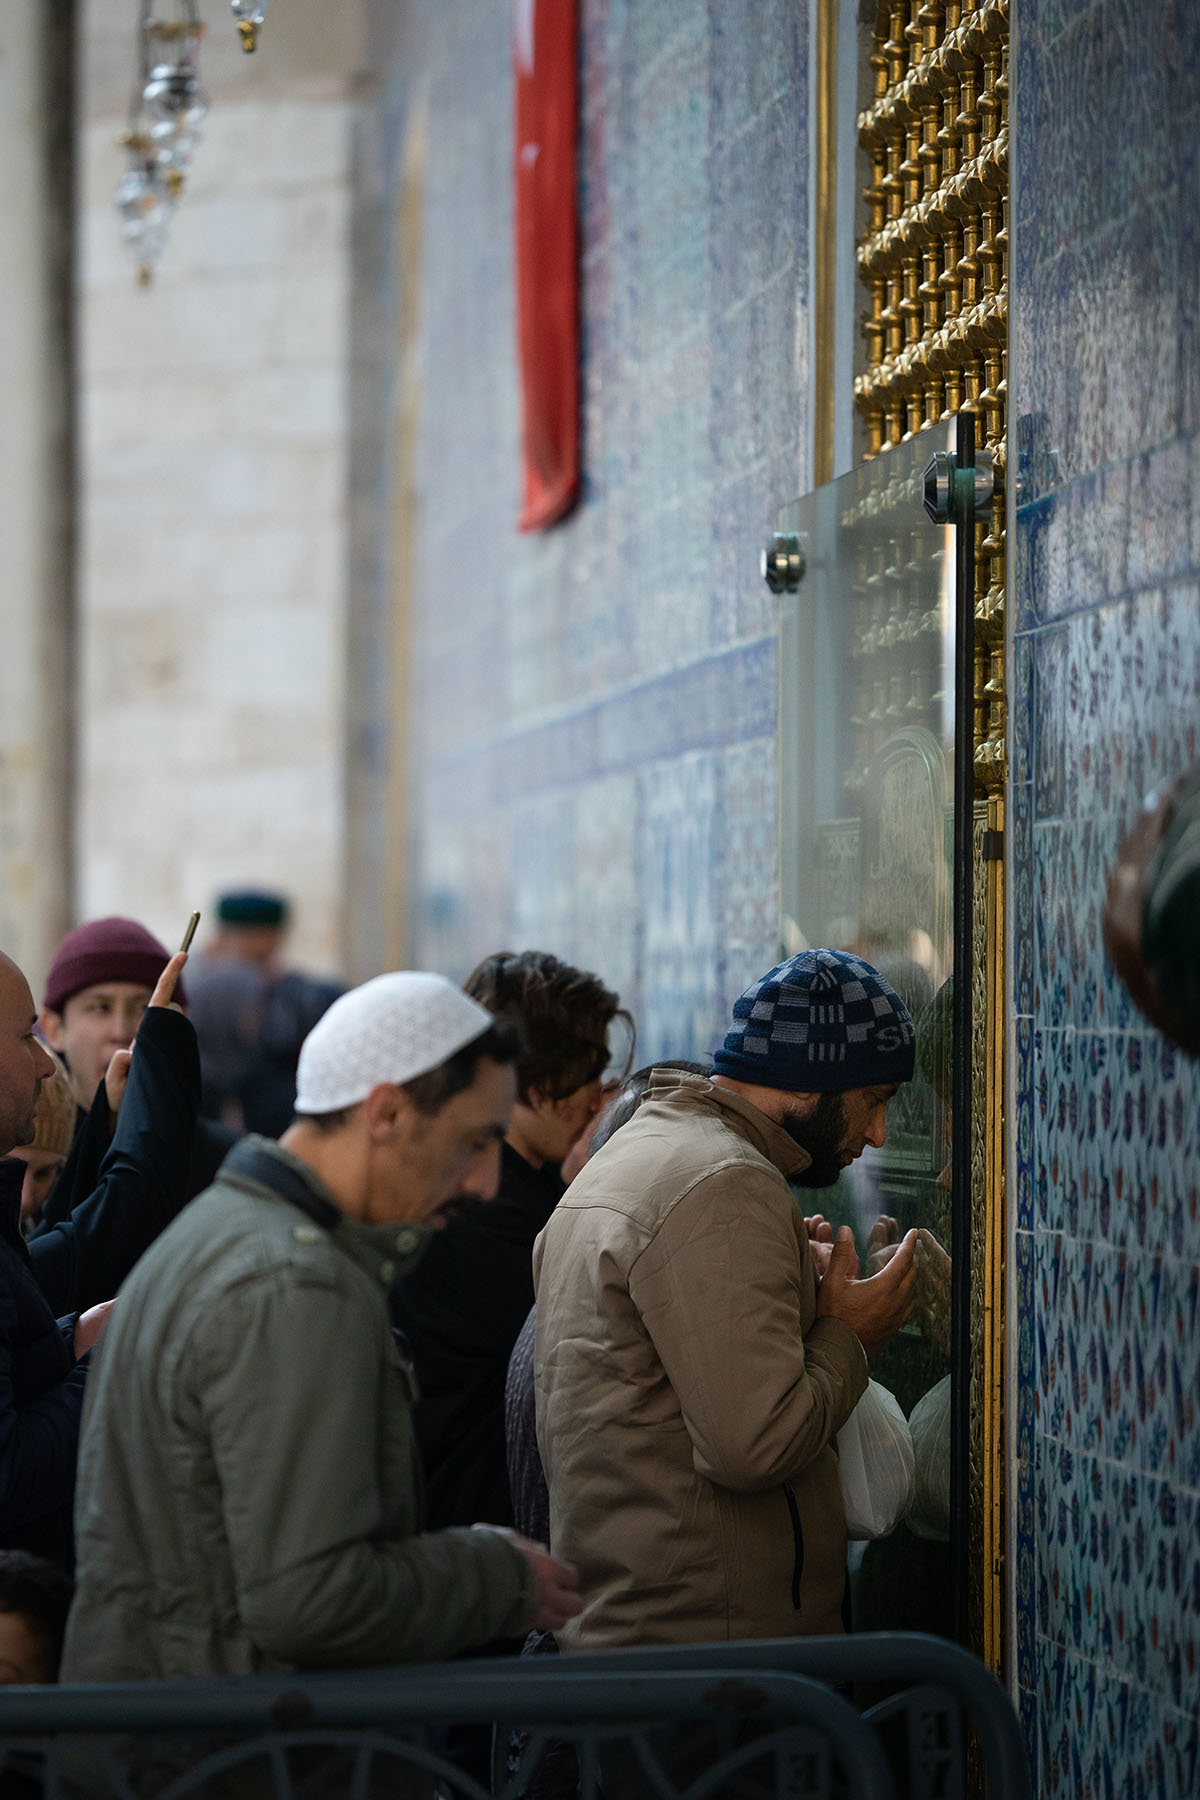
[876,1464]
[929,1423]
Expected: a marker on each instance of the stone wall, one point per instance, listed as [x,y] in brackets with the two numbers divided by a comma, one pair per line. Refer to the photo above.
[214,488]
[36,487]
[1106,700]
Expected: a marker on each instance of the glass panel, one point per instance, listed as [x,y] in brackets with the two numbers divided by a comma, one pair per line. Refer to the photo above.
[867,727]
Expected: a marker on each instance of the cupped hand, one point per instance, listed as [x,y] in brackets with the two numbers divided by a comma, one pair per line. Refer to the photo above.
[883,1243]
[873,1306]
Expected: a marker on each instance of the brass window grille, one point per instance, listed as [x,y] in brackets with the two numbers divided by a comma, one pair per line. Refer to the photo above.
[933,263]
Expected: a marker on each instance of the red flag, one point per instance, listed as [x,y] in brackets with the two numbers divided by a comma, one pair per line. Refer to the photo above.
[547,254]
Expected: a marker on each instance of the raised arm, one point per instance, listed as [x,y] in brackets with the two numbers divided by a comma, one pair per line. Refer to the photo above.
[143,1177]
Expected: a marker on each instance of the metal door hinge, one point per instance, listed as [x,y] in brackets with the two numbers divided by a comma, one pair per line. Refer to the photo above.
[783,563]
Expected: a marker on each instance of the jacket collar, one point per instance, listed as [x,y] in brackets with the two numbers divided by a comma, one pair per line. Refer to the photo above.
[388,1251]
[739,1114]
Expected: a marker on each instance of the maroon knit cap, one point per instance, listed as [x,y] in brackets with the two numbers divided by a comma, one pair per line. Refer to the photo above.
[106,950]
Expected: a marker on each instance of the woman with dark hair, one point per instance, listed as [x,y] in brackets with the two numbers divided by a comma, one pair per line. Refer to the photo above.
[463,1306]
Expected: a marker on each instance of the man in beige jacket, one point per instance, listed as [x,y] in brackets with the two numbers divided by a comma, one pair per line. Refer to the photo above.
[693,1371]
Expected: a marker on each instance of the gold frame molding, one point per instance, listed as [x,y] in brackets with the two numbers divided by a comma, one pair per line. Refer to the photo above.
[826,243]
[934,267]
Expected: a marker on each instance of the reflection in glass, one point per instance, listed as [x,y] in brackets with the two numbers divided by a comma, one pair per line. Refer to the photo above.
[867,841]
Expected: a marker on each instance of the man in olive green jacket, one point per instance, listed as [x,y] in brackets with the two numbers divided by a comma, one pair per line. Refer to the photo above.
[692,1371]
[248,1495]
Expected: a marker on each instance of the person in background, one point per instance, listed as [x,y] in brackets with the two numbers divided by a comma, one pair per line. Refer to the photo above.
[56,1289]
[99,985]
[35,1597]
[693,1365]
[462,1309]
[54,1133]
[249,1496]
[252,1014]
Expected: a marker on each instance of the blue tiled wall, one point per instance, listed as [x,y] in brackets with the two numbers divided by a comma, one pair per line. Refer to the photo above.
[594,750]
[1106,701]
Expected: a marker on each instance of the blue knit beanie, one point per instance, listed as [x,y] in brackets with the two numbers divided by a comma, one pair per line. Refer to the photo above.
[819,1023]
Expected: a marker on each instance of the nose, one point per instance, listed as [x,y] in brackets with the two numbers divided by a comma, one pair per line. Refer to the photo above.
[42,1061]
[876,1133]
[482,1179]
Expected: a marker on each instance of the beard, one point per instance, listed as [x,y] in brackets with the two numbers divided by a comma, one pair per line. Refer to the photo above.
[822,1132]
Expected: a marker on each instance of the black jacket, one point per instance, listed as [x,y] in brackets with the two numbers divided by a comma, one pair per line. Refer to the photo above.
[70,1265]
[81,1175]
[461,1311]
[41,1395]
[121,1196]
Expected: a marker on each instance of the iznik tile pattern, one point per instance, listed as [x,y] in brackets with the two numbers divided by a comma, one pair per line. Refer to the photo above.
[1105,683]
[594,753]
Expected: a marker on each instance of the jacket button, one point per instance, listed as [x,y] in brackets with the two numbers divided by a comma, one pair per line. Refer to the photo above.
[307,1234]
[387,1271]
[406,1241]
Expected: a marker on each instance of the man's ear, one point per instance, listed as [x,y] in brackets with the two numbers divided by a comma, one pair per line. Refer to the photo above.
[53,1029]
[388,1112]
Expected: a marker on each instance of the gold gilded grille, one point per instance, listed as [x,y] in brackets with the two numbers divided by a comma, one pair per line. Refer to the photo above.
[935,266]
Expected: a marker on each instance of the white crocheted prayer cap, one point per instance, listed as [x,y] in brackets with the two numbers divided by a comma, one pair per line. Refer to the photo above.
[390,1029]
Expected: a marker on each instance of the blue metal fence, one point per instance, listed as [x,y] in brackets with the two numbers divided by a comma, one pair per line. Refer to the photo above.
[706,1722]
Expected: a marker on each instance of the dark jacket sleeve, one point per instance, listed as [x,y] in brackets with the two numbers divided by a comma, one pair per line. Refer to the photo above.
[143,1178]
[81,1171]
[39,1439]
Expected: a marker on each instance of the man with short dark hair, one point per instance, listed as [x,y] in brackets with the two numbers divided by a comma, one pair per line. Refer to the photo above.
[462,1309]
[249,1498]
[692,1372]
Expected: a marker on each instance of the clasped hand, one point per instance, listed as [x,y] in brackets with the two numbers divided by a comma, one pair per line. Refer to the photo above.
[873,1306]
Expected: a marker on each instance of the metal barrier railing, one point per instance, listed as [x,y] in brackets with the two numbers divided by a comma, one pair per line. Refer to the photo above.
[755,1721]
[936,1686]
